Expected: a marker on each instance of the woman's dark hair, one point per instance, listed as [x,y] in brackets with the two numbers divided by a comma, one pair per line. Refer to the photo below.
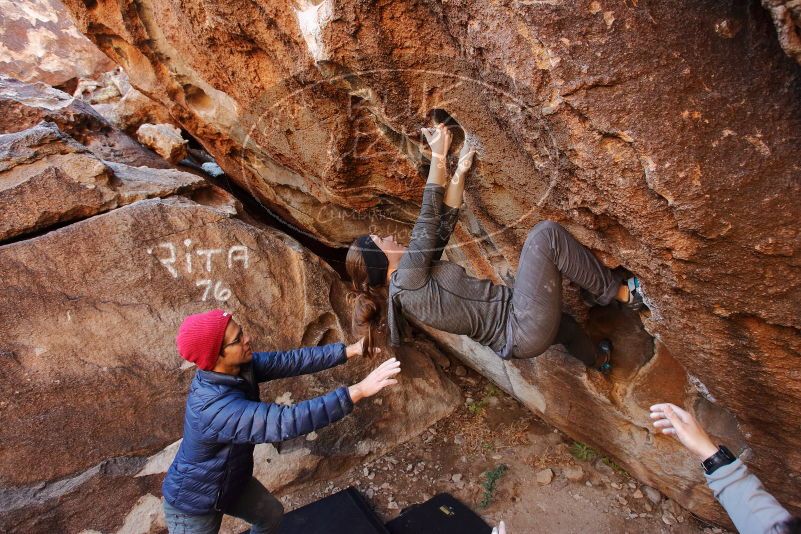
[368,301]
[791,526]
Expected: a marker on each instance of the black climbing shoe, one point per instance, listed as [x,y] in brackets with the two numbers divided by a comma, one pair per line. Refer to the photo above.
[636,298]
[604,355]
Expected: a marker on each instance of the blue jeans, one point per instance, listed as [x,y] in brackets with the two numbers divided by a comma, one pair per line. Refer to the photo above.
[255,505]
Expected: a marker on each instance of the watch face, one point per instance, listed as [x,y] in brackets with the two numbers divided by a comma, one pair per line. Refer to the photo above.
[727,453]
[709,462]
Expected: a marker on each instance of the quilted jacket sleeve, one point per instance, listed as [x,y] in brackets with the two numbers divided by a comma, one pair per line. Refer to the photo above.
[306,360]
[235,419]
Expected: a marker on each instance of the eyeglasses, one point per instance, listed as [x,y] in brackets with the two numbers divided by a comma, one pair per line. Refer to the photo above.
[237,340]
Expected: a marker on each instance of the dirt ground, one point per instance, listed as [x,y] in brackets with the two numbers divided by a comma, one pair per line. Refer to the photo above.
[549,483]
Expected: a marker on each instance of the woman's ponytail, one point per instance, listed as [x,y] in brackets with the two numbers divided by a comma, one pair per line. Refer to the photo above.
[367,301]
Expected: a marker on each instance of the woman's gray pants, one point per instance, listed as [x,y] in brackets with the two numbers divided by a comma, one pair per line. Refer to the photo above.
[536,321]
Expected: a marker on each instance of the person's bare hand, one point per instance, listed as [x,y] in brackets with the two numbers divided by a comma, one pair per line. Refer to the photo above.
[357,349]
[377,380]
[680,424]
[439,139]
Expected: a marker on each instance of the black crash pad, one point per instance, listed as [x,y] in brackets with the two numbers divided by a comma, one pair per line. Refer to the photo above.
[442,514]
[344,512]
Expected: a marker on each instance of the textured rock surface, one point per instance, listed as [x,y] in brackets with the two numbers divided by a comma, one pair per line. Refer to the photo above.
[46,177]
[26,105]
[39,43]
[787,18]
[613,413]
[164,139]
[112,95]
[665,139]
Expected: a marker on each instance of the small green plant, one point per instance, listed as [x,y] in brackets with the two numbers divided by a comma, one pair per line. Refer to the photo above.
[583,452]
[490,483]
[477,407]
[617,469]
[491,391]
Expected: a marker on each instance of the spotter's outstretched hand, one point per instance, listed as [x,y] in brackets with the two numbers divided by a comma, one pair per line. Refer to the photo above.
[680,424]
[380,378]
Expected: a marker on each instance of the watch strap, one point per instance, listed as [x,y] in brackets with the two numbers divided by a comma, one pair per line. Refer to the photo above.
[723,457]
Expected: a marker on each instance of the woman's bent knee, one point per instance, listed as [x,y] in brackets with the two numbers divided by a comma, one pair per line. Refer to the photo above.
[545,230]
[525,351]
[547,227]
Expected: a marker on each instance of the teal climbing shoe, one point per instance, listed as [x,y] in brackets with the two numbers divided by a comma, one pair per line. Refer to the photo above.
[604,351]
[636,298]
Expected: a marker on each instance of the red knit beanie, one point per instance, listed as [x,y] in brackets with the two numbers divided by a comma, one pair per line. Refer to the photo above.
[200,337]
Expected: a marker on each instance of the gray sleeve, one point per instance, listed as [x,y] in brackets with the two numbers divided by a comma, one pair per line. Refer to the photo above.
[752,509]
[414,268]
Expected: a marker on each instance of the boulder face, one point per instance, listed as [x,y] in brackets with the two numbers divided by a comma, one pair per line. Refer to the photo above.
[666,140]
[164,139]
[47,178]
[92,390]
[40,43]
[117,101]
[612,413]
[26,105]
[786,16]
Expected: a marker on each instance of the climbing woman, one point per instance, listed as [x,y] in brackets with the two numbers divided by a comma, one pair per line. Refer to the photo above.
[519,322]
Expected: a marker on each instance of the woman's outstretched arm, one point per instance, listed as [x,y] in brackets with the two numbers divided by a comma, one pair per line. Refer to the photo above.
[453,200]
[455,191]
[414,266]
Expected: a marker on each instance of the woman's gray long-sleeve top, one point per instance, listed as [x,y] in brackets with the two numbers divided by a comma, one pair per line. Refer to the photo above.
[752,509]
[441,294]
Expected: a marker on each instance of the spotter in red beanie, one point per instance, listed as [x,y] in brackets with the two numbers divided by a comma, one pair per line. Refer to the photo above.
[200,337]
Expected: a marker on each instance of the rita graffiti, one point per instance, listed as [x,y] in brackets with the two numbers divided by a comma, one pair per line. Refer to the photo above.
[194,261]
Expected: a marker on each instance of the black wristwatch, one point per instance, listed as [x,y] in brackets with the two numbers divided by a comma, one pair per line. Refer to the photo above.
[719,459]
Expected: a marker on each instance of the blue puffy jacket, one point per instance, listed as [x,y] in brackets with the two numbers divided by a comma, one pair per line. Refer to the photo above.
[225,419]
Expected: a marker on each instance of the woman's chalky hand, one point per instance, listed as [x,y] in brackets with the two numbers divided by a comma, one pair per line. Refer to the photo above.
[465,158]
[439,139]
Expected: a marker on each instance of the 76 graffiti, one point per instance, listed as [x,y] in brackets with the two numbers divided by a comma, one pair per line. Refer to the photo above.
[193,259]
